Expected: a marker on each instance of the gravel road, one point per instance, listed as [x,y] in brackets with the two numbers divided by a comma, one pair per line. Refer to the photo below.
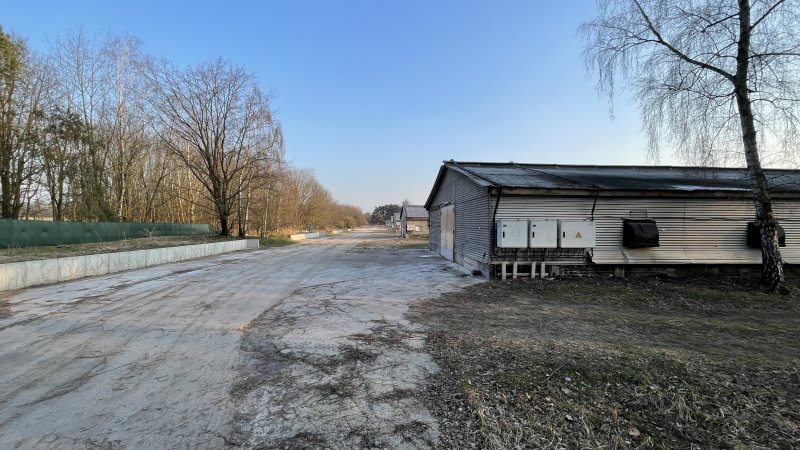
[174,356]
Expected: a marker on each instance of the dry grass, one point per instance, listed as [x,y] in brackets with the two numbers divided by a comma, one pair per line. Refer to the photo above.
[59,251]
[605,363]
[275,241]
[391,242]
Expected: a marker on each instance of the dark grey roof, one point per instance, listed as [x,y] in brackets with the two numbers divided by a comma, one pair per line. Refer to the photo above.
[415,211]
[618,178]
[622,177]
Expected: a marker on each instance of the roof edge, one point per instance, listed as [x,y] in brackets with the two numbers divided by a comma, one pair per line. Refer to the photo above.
[610,166]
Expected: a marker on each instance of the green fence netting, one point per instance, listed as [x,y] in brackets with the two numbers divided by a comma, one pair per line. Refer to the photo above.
[32,233]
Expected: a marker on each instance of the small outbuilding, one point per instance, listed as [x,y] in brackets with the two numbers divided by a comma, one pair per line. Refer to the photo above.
[413,221]
[503,218]
[396,221]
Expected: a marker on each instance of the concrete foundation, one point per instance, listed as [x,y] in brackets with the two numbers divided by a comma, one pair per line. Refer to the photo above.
[24,274]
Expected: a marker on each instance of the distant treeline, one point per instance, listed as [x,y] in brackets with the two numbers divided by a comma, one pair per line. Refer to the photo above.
[95,130]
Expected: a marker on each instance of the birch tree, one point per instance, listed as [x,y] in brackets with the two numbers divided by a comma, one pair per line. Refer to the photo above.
[83,74]
[716,79]
[125,118]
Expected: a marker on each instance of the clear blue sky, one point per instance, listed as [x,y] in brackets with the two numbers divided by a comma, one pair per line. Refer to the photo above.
[374,94]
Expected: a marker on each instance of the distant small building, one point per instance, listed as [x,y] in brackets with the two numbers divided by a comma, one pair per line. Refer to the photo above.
[396,221]
[413,221]
[495,217]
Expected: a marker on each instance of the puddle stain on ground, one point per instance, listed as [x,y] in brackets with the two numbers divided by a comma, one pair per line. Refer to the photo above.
[5,305]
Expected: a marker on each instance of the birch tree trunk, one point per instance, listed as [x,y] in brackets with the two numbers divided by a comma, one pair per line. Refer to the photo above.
[772,273]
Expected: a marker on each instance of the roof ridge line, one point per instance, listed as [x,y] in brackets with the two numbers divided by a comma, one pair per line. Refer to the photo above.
[556,176]
[491,183]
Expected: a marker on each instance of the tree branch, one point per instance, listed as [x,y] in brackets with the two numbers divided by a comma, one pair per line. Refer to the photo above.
[660,40]
[767,13]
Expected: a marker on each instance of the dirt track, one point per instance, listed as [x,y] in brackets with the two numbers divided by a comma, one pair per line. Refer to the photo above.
[151,358]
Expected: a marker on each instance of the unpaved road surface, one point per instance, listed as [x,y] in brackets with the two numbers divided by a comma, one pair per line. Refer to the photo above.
[301,346]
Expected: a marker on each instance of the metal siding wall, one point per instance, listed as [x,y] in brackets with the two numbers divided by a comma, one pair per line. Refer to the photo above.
[434,234]
[788,215]
[709,231]
[473,227]
[472,217]
[443,195]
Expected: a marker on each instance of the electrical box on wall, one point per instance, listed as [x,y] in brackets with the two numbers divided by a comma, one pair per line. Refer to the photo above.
[543,233]
[574,234]
[512,233]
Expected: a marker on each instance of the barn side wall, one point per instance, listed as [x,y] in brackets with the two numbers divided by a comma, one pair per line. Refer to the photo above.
[411,225]
[692,230]
[472,221]
[435,230]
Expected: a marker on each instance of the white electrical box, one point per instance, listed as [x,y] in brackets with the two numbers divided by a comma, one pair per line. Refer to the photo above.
[543,233]
[574,234]
[512,233]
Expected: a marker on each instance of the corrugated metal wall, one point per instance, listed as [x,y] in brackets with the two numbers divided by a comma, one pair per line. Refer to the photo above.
[472,220]
[435,233]
[692,230]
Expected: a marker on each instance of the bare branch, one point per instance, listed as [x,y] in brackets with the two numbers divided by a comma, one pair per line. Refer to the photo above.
[767,13]
[660,40]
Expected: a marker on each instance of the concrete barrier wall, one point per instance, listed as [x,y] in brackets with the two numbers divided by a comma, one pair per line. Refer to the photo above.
[24,274]
[300,237]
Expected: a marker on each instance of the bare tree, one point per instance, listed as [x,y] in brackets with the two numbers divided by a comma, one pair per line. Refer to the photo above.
[22,85]
[257,175]
[218,122]
[153,172]
[125,118]
[84,88]
[62,141]
[314,201]
[707,74]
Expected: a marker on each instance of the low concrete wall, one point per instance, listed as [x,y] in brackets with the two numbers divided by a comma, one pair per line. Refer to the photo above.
[24,274]
[300,237]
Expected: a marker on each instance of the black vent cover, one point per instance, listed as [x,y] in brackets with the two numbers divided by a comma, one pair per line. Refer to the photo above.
[754,235]
[639,233]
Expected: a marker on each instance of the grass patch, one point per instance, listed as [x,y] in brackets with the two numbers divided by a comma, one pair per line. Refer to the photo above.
[607,363]
[417,244]
[274,241]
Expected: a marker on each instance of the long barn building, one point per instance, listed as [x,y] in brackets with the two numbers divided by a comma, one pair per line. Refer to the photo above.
[504,217]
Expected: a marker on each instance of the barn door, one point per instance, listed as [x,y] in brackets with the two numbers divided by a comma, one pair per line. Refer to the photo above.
[448,227]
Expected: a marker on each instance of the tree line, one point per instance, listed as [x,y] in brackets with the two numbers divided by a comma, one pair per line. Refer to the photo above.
[94,129]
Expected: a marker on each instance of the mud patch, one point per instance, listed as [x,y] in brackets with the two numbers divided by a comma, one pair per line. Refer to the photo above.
[5,306]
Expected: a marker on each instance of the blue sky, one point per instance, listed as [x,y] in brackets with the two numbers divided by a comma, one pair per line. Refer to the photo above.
[374,95]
